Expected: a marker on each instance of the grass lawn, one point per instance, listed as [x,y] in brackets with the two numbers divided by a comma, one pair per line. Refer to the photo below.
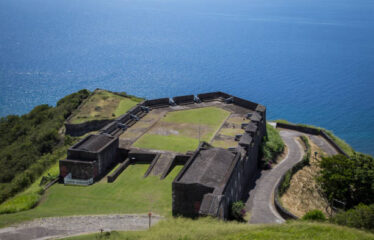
[103,105]
[130,193]
[169,143]
[207,228]
[178,131]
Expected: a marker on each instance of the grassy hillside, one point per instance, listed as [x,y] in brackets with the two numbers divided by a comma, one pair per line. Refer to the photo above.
[103,104]
[206,228]
[130,193]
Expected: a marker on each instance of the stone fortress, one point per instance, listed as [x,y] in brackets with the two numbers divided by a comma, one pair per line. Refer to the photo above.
[212,178]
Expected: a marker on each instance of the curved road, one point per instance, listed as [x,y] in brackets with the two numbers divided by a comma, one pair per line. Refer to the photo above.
[261,198]
[58,227]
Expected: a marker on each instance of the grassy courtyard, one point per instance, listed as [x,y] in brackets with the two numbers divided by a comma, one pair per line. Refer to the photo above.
[207,228]
[179,131]
[103,105]
[130,193]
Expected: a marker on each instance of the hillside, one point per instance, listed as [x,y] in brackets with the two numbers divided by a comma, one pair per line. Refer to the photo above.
[102,105]
[205,228]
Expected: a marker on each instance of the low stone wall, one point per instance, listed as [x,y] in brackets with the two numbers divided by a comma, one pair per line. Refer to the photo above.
[299,128]
[187,99]
[156,103]
[112,177]
[154,161]
[211,96]
[80,129]
[314,131]
[334,144]
[245,103]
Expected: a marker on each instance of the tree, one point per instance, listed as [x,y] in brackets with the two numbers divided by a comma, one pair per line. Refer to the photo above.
[350,180]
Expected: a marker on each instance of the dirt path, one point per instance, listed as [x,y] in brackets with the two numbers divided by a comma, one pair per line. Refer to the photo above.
[57,227]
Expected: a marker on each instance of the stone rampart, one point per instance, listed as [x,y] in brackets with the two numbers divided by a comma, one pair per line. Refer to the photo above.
[187,99]
[80,129]
[211,96]
[245,103]
[157,103]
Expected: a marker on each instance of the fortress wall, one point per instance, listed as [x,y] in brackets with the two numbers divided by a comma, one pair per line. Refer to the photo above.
[78,169]
[211,96]
[187,198]
[155,103]
[80,129]
[108,156]
[141,158]
[187,99]
[245,103]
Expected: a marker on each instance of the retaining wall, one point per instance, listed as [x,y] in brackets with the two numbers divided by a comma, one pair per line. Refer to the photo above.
[313,131]
[112,177]
[80,129]
[187,99]
[156,103]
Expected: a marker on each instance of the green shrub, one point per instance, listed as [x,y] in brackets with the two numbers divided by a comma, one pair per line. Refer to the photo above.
[20,203]
[238,211]
[361,216]
[314,215]
[271,146]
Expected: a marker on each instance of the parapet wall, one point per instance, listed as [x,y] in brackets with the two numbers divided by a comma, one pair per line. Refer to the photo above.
[314,131]
[80,129]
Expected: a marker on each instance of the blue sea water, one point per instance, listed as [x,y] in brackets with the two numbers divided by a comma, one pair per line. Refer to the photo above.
[309,61]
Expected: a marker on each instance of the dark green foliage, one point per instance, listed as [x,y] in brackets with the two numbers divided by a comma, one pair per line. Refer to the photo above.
[238,211]
[350,180]
[361,216]
[24,139]
[272,146]
[314,215]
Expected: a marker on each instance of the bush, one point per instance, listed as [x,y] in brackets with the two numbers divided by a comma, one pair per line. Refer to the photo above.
[314,215]
[271,146]
[361,216]
[238,211]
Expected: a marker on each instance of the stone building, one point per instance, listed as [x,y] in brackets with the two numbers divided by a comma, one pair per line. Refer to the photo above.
[89,159]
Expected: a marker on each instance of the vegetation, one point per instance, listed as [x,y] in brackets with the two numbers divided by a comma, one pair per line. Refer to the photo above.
[238,211]
[173,143]
[361,216]
[340,142]
[130,193]
[27,141]
[314,215]
[350,180]
[31,196]
[285,182]
[272,146]
[207,228]
[180,130]
[102,105]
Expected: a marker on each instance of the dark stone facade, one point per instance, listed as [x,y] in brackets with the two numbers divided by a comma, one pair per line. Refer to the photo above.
[211,179]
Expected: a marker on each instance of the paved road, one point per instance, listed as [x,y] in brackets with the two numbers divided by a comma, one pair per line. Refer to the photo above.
[57,227]
[260,203]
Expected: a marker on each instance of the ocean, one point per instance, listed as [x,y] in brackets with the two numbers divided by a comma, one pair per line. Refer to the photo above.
[308,61]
